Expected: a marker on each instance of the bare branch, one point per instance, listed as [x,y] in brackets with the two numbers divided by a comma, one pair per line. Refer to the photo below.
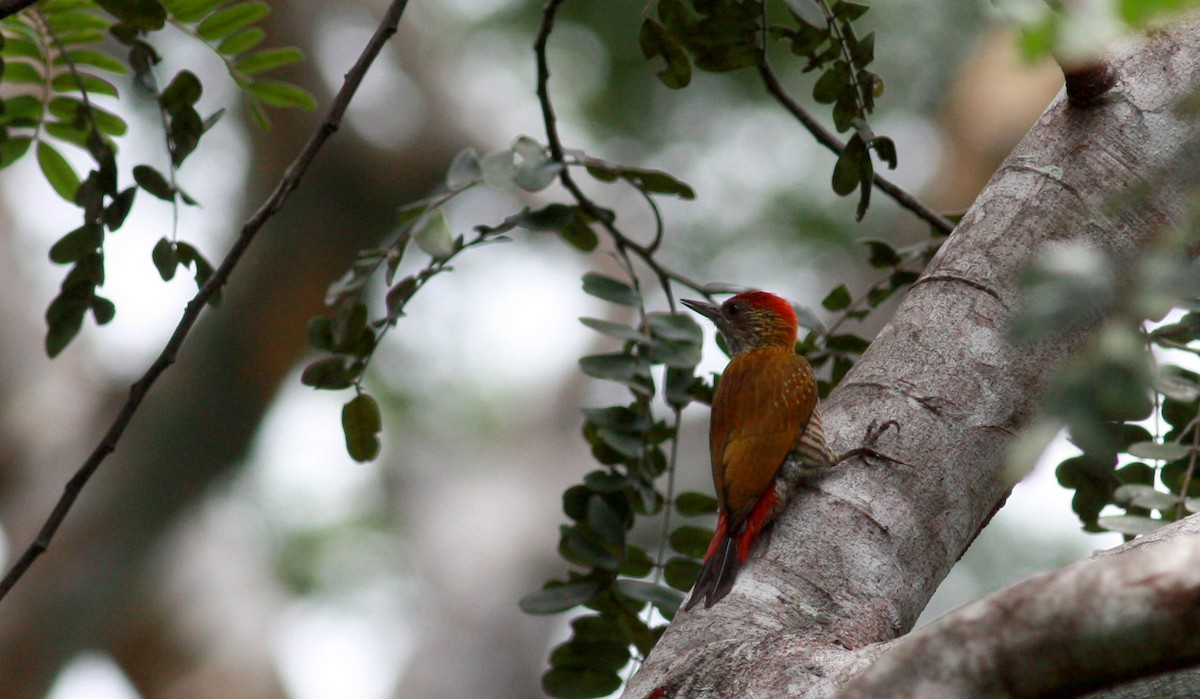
[250,229]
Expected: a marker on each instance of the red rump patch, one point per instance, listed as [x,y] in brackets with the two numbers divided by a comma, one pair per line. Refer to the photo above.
[718,536]
[759,516]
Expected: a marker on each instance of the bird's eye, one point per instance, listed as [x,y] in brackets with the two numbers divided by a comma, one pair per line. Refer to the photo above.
[735,309]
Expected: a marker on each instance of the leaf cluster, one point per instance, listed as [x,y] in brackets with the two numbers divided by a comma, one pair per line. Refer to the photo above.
[1121,382]
[620,578]
[828,346]
[825,37]
[349,336]
[725,35]
[56,60]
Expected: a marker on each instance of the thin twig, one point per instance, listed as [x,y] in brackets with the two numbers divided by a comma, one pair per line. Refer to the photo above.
[604,216]
[1181,508]
[275,202]
[826,138]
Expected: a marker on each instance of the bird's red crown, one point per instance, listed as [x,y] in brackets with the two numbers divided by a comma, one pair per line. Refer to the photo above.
[766,301]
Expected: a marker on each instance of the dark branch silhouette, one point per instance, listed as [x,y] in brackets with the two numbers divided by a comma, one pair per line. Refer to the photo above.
[250,229]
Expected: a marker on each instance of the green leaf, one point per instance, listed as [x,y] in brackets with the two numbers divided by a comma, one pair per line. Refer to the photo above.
[1133,525]
[183,91]
[269,58]
[536,174]
[118,210]
[65,315]
[881,255]
[832,83]
[242,41]
[691,541]
[604,521]
[58,171]
[809,12]
[1162,452]
[637,563]
[664,599]
[853,162]
[328,373]
[591,655]
[76,22]
[655,40]
[579,234]
[22,73]
[164,258]
[574,683]
[432,234]
[228,20]
[143,14]
[549,218]
[361,423]
[679,386]
[75,245]
[95,59]
[609,289]
[191,11]
[464,172]
[1145,497]
[12,150]
[657,182]
[619,367]
[678,327]
[93,85]
[691,504]
[103,310]
[681,573]
[580,546]
[277,93]
[413,211]
[838,299]
[153,182]
[600,628]
[620,331]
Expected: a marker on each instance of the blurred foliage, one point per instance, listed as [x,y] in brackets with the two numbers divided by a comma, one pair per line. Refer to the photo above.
[1078,31]
[1125,401]
[722,35]
[56,56]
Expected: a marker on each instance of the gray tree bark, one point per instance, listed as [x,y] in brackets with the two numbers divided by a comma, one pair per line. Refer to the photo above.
[854,560]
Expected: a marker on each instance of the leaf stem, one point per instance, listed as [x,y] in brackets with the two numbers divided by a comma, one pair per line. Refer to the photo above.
[827,138]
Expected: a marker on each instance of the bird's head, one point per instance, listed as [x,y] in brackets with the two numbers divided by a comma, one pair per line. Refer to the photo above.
[751,320]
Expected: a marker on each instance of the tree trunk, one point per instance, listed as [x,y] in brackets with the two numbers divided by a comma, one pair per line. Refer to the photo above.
[854,560]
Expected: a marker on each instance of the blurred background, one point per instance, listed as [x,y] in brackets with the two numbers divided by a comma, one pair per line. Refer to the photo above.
[230,547]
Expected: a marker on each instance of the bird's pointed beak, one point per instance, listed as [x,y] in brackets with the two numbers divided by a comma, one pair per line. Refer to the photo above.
[707,310]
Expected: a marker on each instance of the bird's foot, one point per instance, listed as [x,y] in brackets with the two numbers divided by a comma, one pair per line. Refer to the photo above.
[867,452]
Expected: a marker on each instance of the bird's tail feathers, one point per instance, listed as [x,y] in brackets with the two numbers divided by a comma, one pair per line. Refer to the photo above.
[719,570]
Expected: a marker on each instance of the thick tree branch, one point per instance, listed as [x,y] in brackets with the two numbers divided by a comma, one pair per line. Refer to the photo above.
[1094,624]
[854,560]
[250,229]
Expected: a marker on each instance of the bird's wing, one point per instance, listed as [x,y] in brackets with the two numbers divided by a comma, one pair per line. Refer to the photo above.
[760,410]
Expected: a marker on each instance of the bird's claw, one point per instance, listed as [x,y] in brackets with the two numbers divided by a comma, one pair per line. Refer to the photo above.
[874,431]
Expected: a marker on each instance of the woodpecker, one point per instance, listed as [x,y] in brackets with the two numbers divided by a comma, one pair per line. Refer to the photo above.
[765,433]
